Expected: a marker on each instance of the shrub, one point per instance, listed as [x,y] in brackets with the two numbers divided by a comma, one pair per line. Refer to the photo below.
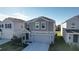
[16,41]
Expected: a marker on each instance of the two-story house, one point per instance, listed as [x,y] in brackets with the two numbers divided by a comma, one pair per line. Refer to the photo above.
[70,30]
[10,27]
[42,29]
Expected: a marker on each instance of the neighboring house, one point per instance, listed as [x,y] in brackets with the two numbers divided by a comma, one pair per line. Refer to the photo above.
[42,29]
[70,30]
[10,27]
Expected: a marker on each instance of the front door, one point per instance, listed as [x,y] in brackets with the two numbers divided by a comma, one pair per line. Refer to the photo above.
[27,36]
[75,38]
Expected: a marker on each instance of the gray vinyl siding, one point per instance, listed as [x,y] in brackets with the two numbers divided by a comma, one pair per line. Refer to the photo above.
[75,21]
[68,37]
[31,26]
[49,25]
[67,40]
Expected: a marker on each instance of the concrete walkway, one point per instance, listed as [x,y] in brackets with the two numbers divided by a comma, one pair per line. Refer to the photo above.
[2,41]
[37,46]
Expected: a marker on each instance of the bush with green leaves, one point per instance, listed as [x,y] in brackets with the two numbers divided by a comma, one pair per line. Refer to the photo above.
[16,41]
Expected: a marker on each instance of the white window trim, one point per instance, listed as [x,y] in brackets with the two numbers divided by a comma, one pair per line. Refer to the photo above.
[37,23]
[72,26]
[45,25]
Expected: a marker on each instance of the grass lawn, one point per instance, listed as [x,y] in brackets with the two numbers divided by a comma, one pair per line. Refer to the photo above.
[58,33]
[10,47]
[60,45]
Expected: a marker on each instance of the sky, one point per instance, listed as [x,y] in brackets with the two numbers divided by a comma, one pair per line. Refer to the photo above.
[59,14]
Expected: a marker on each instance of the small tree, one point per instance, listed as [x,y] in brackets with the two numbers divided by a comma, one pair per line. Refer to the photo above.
[16,41]
[58,27]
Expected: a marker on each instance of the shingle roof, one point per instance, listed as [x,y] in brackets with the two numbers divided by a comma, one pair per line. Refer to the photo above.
[77,16]
[14,19]
[41,17]
[72,30]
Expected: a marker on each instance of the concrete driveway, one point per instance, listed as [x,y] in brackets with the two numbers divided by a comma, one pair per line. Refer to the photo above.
[37,46]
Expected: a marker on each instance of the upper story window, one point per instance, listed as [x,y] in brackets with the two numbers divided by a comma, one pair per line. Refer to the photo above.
[37,25]
[73,25]
[43,25]
[1,25]
[8,25]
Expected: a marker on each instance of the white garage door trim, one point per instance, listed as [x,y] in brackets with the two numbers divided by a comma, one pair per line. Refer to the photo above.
[42,37]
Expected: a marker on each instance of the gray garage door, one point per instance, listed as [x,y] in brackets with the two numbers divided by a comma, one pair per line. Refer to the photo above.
[43,38]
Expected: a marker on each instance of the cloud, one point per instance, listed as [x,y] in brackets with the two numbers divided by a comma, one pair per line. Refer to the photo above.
[20,16]
[15,15]
[3,16]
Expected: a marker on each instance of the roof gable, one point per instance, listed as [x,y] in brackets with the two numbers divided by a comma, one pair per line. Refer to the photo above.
[42,18]
[72,30]
[74,17]
[14,19]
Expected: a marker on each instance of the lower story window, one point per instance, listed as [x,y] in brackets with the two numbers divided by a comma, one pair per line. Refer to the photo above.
[75,38]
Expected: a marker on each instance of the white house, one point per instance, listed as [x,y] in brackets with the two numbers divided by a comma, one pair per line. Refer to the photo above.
[10,27]
[70,30]
[42,29]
